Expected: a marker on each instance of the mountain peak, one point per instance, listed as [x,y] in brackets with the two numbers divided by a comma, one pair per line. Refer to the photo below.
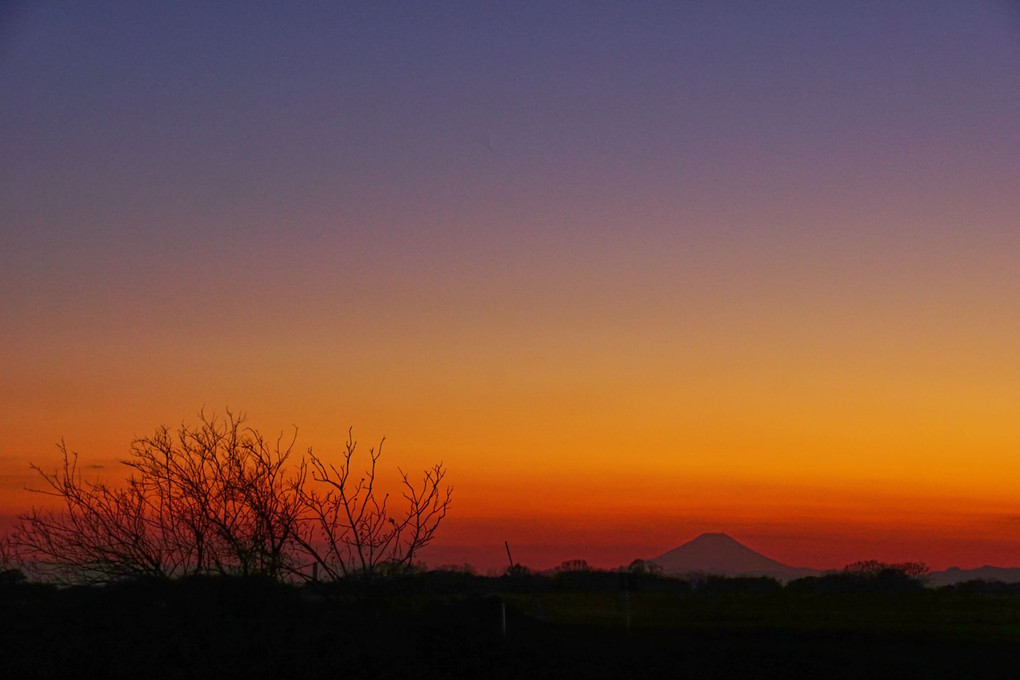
[719,553]
[711,536]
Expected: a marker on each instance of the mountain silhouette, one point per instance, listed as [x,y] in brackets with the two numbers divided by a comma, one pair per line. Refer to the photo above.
[985,573]
[718,554]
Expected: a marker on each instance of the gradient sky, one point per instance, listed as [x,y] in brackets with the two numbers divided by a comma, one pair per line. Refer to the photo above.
[632,270]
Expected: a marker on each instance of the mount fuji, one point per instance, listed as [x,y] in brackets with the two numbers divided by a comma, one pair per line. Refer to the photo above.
[718,554]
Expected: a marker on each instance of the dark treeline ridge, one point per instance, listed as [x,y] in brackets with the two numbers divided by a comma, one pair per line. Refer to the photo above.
[456,624]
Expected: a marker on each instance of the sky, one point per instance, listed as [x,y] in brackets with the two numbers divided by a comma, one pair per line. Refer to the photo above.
[631,270]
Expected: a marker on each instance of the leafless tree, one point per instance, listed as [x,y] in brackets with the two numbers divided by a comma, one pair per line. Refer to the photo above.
[352,532]
[218,498]
[215,498]
[11,567]
[224,498]
[99,533]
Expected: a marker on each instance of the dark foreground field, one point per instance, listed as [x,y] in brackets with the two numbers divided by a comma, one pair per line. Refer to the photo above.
[452,627]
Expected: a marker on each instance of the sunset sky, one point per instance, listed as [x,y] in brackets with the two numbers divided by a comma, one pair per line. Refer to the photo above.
[632,270]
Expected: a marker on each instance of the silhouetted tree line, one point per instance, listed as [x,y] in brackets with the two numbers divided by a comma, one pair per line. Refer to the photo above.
[866,576]
[220,499]
[465,582]
[256,627]
[578,576]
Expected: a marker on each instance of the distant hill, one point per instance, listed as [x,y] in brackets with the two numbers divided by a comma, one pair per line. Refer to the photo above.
[985,573]
[718,554]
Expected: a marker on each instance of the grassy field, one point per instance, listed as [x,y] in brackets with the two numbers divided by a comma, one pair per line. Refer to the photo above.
[930,612]
[501,628]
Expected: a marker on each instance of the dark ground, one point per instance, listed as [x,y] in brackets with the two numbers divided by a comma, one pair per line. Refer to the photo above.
[451,627]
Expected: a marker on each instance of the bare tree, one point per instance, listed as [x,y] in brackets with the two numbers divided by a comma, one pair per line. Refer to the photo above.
[573,565]
[99,533]
[217,498]
[352,532]
[223,496]
[11,567]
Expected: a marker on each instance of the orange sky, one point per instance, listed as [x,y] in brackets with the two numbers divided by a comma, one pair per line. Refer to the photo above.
[563,470]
